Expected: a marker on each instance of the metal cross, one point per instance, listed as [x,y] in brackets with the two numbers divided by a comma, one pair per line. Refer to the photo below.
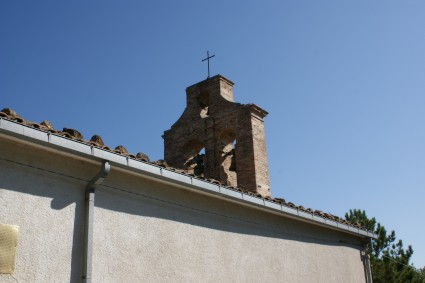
[208,59]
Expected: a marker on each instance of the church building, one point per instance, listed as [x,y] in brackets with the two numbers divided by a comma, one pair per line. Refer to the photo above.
[75,210]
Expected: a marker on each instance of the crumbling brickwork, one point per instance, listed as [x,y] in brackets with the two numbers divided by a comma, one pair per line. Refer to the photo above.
[220,139]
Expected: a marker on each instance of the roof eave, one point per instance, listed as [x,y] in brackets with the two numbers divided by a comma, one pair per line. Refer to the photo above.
[75,148]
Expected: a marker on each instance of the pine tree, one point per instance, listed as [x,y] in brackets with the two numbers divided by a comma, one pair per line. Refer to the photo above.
[389,260]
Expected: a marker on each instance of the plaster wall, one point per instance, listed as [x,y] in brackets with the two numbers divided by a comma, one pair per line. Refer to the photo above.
[146,231]
[47,207]
[157,233]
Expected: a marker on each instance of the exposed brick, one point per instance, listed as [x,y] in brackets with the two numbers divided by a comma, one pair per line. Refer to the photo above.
[231,133]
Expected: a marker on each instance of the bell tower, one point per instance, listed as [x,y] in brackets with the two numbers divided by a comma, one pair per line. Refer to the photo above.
[218,138]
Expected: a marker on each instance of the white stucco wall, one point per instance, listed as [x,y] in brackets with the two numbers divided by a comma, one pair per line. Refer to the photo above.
[181,236]
[44,206]
[145,231]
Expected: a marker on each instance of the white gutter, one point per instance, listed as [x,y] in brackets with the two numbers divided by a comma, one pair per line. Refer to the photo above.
[128,164]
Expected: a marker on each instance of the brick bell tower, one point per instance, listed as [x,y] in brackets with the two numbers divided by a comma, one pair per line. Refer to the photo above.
[218,138]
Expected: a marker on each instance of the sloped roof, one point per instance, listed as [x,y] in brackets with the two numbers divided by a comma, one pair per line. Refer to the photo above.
[322,218]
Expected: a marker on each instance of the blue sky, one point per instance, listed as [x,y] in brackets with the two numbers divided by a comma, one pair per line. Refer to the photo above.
[343,82]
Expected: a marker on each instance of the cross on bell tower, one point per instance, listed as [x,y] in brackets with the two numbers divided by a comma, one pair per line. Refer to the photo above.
[208,60]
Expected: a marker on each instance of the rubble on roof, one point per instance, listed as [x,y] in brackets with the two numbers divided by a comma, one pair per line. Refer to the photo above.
[97,141]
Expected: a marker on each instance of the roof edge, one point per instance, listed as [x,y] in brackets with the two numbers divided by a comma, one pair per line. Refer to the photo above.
[211,79]
[89,151]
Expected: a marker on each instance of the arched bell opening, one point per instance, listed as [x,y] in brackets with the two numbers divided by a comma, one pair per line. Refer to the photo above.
[194,156]
[204,103]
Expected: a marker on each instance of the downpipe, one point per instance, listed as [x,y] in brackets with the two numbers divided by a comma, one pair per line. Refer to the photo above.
[88,220]
[366,260]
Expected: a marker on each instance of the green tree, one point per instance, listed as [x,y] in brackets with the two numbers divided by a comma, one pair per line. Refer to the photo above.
[388,259]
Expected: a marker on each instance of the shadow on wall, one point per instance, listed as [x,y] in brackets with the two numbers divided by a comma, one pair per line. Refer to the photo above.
[62,191]
[136,196]
[59,203]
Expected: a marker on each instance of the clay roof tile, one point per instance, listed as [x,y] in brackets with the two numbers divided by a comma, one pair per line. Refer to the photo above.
[142,156]
[47,124]
[161,163]
[97,141]
[121,150]
[9,112]
[73,133]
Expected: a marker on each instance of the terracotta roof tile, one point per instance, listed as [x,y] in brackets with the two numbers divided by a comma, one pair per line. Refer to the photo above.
[142,156]
[280,200]
[97,141]
[161,163]
[8,113]
[46,125]
[74,133]
[121,150]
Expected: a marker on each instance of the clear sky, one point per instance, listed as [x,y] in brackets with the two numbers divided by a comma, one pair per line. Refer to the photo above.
[343,81]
